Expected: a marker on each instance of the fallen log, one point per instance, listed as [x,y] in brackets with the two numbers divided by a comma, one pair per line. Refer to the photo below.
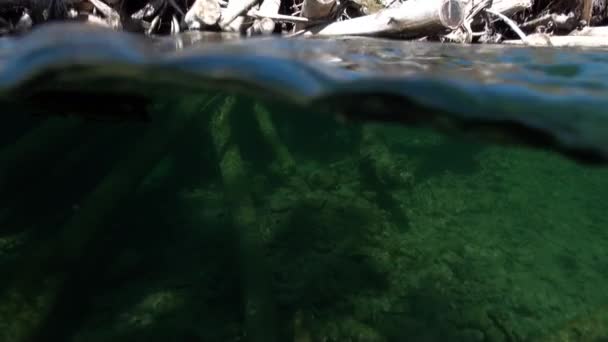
[414,18]
[232,18]
[597,31]
[266,25]
[112,17]
[203,13]
[501,8]
[511,24]
[282,18]
[539,39]
[315,9]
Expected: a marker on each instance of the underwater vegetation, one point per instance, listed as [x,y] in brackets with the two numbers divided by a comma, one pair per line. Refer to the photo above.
[223,218]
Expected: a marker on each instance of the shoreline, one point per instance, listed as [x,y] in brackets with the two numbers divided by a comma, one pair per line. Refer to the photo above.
[527,22]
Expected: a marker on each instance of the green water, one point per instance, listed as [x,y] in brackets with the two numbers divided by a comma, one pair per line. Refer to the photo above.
[226,219]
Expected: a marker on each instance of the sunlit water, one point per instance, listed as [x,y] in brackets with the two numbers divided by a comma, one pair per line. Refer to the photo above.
[192,189]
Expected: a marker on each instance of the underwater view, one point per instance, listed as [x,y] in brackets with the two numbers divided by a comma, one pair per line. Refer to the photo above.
[174,190]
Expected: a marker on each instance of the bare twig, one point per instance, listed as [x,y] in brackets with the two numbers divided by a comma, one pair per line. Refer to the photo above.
[153,25]
[511,24]
[176,7]
[559,21]
[282,17]
[174,25]
[465,34]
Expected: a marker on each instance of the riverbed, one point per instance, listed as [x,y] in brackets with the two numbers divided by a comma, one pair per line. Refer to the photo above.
[203,187]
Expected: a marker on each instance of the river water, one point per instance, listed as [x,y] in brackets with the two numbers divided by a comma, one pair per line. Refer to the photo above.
[206,188]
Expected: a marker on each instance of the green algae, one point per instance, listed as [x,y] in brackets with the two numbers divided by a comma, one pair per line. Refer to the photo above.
[338,231]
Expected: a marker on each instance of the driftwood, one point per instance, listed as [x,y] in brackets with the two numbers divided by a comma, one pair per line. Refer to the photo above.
[505,7]
[110,14]
[511,24]
[263,24]
[500,8]
[282,18]
[455,20]
[414,18]
[539,39]
[203,13]
[95,20]
[598,31]
[316,9]
[232,19]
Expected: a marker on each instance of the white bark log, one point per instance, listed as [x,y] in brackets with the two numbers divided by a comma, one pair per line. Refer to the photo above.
[561,41]
[111,15]
[315,9]
[413,18]
[232,19]
[596,31]
[266,25]
[282,18]
[203,13]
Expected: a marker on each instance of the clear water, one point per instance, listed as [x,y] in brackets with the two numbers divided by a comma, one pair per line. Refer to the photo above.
[300,190]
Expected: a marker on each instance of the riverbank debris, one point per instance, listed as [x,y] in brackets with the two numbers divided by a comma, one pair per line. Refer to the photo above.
[530,22]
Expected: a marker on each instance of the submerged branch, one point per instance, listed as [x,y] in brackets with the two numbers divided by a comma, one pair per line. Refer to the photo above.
[20,316]
[257,299]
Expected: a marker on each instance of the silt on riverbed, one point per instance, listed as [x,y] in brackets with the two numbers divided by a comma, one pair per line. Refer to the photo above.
[222,219]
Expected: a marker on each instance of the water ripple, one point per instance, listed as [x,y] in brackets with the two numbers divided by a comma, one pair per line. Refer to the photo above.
[554,98]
